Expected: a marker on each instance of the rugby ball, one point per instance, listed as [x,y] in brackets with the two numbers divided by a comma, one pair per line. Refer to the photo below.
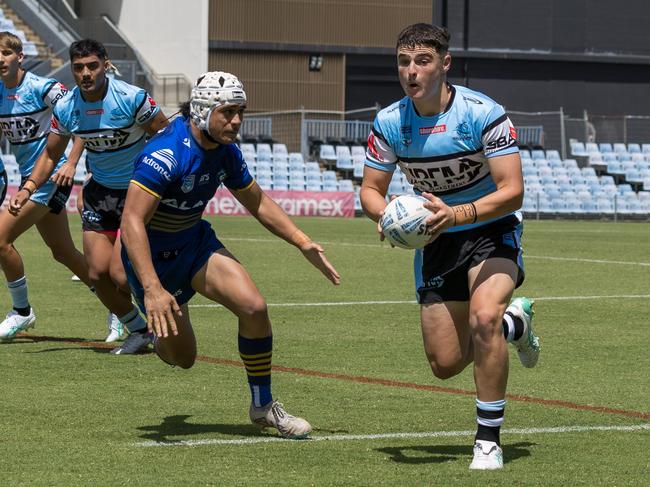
[403,222]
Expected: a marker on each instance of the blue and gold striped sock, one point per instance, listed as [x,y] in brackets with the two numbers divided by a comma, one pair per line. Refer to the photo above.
[256,353]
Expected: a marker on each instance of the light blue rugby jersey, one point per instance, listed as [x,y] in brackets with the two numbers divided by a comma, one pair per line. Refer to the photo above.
[25,115]
[446,154]
[111,129]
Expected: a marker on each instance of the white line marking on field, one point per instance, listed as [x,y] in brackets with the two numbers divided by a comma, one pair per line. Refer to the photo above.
[384,436]
[379,245]
[590,261]
[361,303]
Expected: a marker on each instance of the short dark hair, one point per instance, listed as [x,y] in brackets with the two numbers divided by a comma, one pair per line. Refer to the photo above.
[425,35]
[11,41]
[87,47]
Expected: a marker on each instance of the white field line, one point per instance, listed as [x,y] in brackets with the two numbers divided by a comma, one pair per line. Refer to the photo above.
[386,246]
[372,303]
[384,436]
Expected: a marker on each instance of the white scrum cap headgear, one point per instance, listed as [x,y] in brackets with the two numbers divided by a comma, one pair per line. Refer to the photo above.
[213,90]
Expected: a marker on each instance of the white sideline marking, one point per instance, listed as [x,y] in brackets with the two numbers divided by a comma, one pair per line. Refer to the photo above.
[590,261]
[379,245]
[356,303]
[383,436]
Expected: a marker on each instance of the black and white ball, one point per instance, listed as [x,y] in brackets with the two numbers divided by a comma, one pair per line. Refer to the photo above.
[403,222]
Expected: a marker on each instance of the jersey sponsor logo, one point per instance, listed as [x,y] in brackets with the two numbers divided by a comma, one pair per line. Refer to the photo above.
[108,139]
[406,132]
[186,140]
[152,102]
[20,128]
[188,183]
[181,205]
[433,130]
[513,133]
[95,111]
[473,100]
[205,179]
[463,131]
[148,113]
[117,114]
[446,175]
[434,282]
[166,157]
[54,123]
[59,95]
[157,167]
[13,96]
[90,216]
[500,143]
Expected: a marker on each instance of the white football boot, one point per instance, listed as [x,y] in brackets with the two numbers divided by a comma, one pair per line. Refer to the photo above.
[116,329]
[487,456]
[528,345]
[15,323]
[273,415]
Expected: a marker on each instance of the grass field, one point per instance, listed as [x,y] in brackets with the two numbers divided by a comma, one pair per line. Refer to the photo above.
[350,360]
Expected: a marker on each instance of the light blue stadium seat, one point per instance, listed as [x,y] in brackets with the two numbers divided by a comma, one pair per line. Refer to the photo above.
[609,157]
[620,147]
[314,186]
[343,158]
[328,176]
[592,147]
[590,206]
[282,185]
[358,152]
[264,148]
[605,147]
[247,147]
[524,154]
[327,153]
[357,172]
[330,185]
[280,150]
[312,167]
[313,177]
[624,188]
[578,149]
[570,163]
[296,158]
[633,148]
[537,154]
[264,157]
[346,185]
[552,155]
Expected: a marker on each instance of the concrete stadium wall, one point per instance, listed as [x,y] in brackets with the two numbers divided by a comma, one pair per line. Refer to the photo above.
[171,35]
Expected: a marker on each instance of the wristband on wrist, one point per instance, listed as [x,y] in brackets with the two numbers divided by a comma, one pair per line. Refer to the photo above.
[298,238]
[30,191]
[464,214]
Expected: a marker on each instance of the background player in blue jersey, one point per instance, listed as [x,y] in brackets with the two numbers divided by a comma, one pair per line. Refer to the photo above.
[113,119]
[26,103]
[458,149]
[170,253]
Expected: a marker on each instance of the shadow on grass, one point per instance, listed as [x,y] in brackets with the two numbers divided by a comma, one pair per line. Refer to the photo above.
[177,426]
[84,344]
[446,453]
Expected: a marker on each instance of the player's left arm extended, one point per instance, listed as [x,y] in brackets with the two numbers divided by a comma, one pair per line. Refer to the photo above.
[139,207]
[508,197]
[274,218]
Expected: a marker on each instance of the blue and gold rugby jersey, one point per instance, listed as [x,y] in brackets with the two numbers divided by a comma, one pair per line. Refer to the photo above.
[25,115]
[176,169]
[446,154]
[111,129]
